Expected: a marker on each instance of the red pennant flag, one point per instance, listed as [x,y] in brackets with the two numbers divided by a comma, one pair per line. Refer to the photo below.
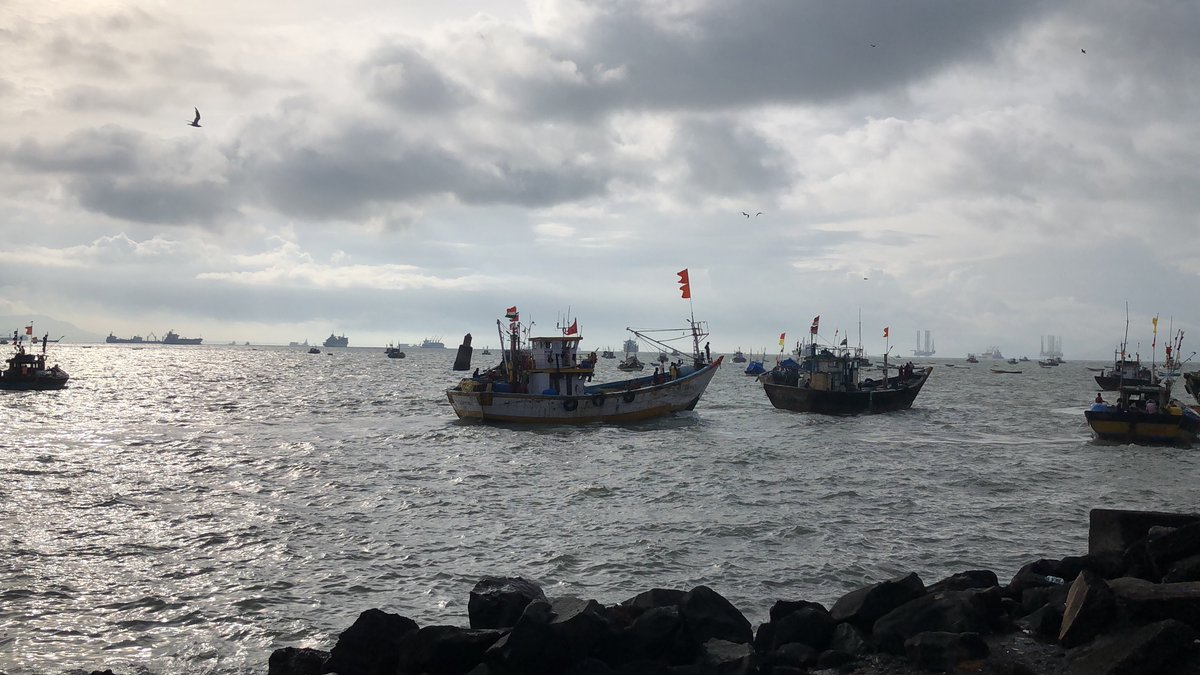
[885,331]
[685,286]
[511,314]
[29,330]
[573,328]
[816,320]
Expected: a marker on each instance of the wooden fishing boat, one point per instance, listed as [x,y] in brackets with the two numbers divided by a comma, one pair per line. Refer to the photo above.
[543,380]
[27,370]
[827,380]
[1144,415]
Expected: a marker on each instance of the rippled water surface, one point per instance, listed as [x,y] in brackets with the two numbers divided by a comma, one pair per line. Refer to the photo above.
[190,509]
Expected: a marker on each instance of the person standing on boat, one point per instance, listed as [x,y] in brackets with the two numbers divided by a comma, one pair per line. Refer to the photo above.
[707,353]
[1151,407]
[1100,398]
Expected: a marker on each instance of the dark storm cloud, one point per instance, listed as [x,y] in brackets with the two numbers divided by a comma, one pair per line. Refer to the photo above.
[724,158]
[107,149]
[403,78]
[772,51]
[124,174]
[345,175]
[156,200]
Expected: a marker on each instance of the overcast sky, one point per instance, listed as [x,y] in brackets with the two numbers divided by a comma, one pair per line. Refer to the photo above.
[395,170]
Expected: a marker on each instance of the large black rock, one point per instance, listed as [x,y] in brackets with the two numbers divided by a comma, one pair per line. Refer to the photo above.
[1154,648]
[864,606]
[497,602]
[296,661]
[944,651]
[708,615]
[948,612]
[371,646]
[445,650]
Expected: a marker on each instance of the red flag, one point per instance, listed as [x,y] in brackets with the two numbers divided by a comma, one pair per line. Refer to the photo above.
[781,338]
[29,330]
[685,286]
[885,331]
[573,328]
[816,320]
[511,313]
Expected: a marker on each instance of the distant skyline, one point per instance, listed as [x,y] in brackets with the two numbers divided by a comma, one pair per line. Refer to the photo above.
[992,172]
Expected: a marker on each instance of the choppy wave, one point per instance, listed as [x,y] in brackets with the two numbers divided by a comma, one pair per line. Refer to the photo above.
[188,510]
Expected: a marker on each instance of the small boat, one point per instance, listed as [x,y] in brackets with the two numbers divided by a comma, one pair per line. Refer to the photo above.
[28,371]
[314,350]
[1001,371]
[337,341]
[1048,364]
[485,352]
[1144,414]
[1125,371]
[1013,362]
[663,358]
[1024,359]
[738,356]
[1096,370]
[827,381]
[756,368]
[393,352]
[542,380]
[631,363]
[971,358]
[607,354]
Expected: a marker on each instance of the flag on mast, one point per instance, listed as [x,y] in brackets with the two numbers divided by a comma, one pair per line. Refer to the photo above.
[816,320]
[781,336]
[1154,340]
[885,331]
[685,286]
[573,328]
[511,314]
[29,330]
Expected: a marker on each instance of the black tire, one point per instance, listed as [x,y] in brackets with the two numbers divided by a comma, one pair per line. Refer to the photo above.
[570,404]
[628,397]
[598,400]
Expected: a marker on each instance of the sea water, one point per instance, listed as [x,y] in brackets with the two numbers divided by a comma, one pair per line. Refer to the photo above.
[191,509]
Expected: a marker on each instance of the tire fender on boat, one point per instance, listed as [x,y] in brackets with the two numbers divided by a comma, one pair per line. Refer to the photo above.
[628,396]
[570,404]
[598,400]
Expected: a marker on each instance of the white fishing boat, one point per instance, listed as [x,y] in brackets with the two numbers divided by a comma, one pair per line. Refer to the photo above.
[543,380]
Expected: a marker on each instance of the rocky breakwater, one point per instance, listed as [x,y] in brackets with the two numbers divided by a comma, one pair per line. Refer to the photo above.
[1130,605]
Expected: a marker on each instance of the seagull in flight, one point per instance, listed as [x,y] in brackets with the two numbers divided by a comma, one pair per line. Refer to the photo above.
[1083,50]
[195,122]
[745,214]
[758,214]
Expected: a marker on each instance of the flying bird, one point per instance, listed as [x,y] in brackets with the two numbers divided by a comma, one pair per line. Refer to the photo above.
[872,44]
[1083,50]
[758,214]
[195,122]
[745,214]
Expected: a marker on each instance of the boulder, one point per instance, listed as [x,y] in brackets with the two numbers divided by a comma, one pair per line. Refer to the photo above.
[782,608]
[792,655]
[1144,602]
[947,612]
[848,640]
[1116,529]
[497,602]
[1044,573]
[1154,648]
[1034,598]
[709,616]
[445,650]
[812,626]
[530,647]
[1089,609]
[656,597]
[862,607]
[1044,622]
[965,580]
[296,661]
[943,652]
[1169,545]
[722,657]
[1187,569]
[371,646]
[657,635]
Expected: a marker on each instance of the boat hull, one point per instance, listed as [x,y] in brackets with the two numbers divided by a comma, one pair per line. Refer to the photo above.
[1178,425]
[1114,383]
[1191,382]
[40,382]
[624,401]
[863,401]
